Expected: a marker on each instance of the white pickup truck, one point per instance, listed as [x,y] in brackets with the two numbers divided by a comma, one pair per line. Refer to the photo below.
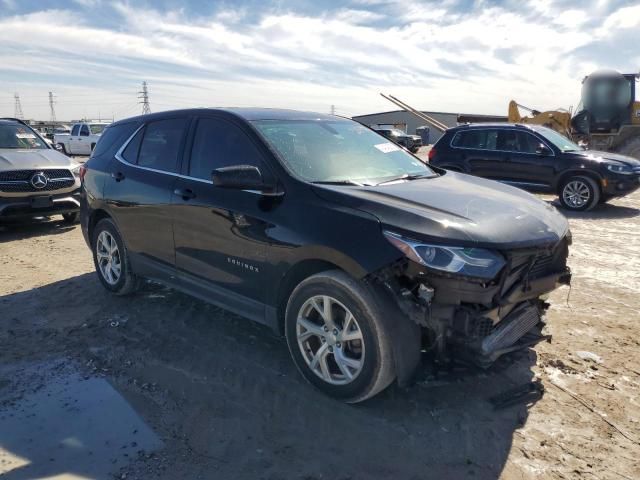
[81,140]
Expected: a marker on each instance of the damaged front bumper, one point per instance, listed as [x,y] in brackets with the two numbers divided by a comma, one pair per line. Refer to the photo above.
[475,320]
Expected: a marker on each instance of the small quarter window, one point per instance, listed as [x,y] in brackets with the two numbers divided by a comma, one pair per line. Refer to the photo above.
[130,153]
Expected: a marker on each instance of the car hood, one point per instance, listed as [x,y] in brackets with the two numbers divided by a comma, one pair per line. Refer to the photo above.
[11,159]
[598,156]
[457,209]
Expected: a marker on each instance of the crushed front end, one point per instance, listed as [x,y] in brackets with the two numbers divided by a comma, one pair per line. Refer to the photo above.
[492,305]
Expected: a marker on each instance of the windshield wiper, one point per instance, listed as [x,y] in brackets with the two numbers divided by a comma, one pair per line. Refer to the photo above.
[406,176]
[340,182]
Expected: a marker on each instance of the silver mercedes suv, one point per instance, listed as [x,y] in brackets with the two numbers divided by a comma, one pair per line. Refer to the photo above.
[35,179]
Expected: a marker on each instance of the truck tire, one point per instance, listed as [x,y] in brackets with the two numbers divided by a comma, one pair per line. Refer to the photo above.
[337,338]
[631,148]
[579,193]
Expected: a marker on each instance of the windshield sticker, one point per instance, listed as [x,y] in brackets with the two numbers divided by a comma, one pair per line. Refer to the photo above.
[29,136]
[387,147]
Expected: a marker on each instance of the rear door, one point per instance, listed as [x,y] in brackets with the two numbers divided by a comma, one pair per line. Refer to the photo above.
[476,150]
[140,189]
[220,233]
[523,166]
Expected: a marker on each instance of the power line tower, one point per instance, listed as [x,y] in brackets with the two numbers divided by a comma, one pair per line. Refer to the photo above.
[17,111]
[53,111]
[144,96]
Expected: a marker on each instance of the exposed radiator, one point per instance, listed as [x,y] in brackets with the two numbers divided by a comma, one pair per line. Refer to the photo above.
[511,329]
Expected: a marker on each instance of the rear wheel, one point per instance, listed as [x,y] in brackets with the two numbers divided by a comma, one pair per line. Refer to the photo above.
[111,259]
[579,193]
[336,337]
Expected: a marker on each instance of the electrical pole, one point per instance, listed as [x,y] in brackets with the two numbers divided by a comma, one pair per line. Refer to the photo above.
[17,111]
[53,112]
[144,96]
[333,109]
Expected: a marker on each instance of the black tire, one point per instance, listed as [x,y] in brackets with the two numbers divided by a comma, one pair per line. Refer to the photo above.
[377,369]
[70,217]
[127,281]
[583,184]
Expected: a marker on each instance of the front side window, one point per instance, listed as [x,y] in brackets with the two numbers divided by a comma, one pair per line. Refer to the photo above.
[485,139]
[17,136]
[338,151]
[517,141]
[161,144]
[75,131]
[559,140]
[219,143]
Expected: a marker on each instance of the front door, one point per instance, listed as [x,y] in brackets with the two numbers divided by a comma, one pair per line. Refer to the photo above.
[220,233]
[74,142]
[141,185]
[523,166]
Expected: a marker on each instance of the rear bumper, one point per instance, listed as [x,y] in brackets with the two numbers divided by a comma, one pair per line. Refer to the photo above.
[39,205]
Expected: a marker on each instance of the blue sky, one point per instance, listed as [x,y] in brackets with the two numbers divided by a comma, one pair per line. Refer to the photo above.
[450,55]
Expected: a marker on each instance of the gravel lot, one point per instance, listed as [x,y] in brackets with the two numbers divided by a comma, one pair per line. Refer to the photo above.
[225,400]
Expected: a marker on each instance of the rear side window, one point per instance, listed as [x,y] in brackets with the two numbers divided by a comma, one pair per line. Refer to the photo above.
[477,139]
[113,137]
[84,131]
[219,143]
[161,144]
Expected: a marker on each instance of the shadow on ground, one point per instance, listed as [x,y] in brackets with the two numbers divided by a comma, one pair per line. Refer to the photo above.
[11,230]
[602,211]
[225,397]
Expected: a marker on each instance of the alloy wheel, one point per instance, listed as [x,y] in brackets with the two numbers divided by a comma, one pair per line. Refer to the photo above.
[109,260]
[330,340]
[576,194]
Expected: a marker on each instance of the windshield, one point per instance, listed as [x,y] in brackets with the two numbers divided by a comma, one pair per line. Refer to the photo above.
[20,137]
[338,151]
[559,140]
[97,128]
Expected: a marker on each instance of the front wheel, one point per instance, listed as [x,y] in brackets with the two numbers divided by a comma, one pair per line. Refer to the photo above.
[336,337]
[111,260]
[579,193]
[70,217]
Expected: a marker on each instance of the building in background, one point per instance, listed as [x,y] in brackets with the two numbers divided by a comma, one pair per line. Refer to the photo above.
[409,123]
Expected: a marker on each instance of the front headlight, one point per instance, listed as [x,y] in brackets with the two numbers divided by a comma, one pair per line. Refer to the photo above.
[472,262]
[76,171]
[619,168]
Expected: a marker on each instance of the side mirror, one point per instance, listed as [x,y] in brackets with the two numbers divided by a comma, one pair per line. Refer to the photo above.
[543,150]
[58,147]
[242,177]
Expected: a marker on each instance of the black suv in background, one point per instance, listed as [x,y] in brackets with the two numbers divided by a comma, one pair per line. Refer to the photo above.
[410,142]
[538,159]
[325,231]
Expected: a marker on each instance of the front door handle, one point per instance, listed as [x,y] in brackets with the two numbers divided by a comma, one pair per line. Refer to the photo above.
[185,193]
[118,176]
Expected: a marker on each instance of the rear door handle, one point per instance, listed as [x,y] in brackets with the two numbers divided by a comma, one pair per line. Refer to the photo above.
[185,193]
[118,176]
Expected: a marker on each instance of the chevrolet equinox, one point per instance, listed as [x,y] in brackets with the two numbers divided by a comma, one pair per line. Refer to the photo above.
[315,225]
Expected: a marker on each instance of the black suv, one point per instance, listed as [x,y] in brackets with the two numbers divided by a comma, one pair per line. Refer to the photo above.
[410,142]
[538,159]
[323,230]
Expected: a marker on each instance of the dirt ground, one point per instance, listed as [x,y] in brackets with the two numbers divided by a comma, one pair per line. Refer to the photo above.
[226,401]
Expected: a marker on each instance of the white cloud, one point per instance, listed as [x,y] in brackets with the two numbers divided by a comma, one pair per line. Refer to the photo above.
[435,58]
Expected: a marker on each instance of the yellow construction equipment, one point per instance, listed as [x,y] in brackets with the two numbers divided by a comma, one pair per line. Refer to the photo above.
[607,118]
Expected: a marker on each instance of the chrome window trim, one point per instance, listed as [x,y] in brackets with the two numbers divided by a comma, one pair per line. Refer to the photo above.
[121,159]
[495,149]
